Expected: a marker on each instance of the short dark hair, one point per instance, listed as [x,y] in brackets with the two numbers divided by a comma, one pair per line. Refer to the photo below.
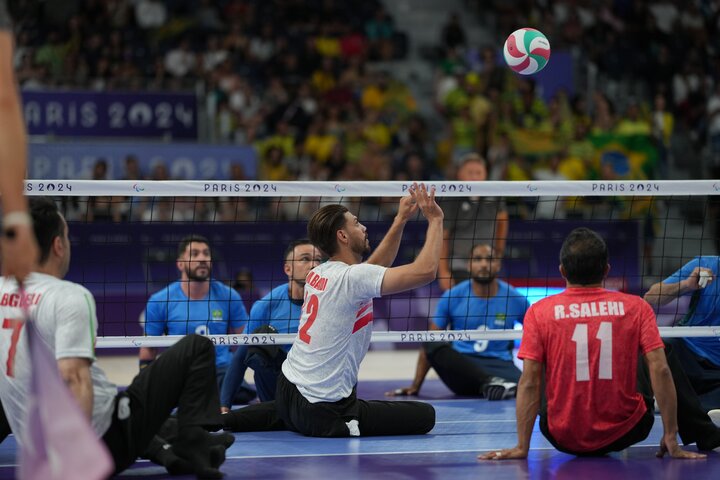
[291,246]
[190,239]
[482,244]
[47,224]
[584,256]
[323,226]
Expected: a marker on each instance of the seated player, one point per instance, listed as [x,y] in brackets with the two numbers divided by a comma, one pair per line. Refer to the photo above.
[480,303]
[196,304]
[316,392]
[700,356]
[277,312]
[64,315]
[600,357]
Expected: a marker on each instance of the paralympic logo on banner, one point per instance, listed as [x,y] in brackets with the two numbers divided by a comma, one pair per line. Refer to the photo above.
[138,188]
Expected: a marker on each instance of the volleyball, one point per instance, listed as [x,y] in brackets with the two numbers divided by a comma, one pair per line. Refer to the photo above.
[526,51]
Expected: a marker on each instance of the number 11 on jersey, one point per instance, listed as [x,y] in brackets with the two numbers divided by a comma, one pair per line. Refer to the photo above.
[582,360]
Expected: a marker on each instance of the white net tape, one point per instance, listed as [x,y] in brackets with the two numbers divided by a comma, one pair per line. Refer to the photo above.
[681,192]
[173,188]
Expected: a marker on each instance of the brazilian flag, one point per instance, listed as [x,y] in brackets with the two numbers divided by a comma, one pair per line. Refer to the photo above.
[630,156]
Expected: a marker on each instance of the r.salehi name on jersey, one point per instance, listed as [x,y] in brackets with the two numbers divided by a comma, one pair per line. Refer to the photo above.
[589,310]
[17,300]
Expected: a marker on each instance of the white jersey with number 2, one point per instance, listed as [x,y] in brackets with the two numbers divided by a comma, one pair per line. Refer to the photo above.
[64,315]
[335,329]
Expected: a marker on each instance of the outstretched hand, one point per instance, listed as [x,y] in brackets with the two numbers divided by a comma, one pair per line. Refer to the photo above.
[408,207]
[669,444]
[402,392]
[506,454]
[699,278]
[426,201]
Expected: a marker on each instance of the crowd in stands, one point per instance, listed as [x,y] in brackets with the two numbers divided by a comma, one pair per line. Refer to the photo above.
[299,80]
[656,68]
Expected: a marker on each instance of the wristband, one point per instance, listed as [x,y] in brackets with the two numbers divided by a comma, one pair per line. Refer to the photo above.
[144,364]
[16,219]
[12,220]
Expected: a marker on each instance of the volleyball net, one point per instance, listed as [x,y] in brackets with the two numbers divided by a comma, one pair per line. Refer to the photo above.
[125,237]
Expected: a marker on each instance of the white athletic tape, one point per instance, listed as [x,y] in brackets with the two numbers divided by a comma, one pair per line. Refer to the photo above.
[704,279]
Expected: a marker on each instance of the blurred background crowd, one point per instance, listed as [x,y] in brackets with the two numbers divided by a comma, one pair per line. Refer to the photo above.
[334,90]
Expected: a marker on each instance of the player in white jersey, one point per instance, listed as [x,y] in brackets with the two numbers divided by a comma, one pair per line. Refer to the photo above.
[64,315]
[316,391]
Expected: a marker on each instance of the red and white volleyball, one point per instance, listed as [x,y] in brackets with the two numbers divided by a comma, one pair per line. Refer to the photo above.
[526,51]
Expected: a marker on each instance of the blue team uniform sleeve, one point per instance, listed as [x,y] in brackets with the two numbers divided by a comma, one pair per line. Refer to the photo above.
[441,319]
[258,315]
[684,271]
[238,314]
[156,316]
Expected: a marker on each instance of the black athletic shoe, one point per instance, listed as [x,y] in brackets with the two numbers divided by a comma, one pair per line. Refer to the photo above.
[194,445]
[499,389]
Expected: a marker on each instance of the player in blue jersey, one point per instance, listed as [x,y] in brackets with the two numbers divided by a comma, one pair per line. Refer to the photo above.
[278,312]
[481,303]
[195,304]
[700,356]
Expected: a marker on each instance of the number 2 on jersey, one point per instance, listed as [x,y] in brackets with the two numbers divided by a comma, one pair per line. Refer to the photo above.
[311,308]
[16,326]
[582,360]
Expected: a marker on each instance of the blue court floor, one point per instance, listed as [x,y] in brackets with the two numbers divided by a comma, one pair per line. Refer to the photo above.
[464,428]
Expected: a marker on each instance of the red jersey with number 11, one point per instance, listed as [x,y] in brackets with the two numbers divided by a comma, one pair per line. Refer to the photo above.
[589,340]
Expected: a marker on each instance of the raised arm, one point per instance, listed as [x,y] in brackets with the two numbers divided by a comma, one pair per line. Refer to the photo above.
[664,389]
[19,248]
[386,252]
[424,269]
[502,226]
[663,293]
[444,272]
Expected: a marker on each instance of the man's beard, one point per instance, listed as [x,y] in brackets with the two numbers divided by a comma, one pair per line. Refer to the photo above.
[484,280]
[362,249]
[195,277]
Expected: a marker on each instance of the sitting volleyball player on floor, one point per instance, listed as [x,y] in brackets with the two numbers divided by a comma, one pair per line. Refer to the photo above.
[197,303]
[64,316]
[593,358]
[277,312]
[481,303]
[316,392]
[700,356]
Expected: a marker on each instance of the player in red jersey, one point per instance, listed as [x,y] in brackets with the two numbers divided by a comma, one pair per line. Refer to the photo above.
[586,342]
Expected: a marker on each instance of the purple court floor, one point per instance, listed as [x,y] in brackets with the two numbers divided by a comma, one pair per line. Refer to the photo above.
[464,428]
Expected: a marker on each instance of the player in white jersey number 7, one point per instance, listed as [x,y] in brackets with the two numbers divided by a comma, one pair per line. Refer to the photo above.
[316,392]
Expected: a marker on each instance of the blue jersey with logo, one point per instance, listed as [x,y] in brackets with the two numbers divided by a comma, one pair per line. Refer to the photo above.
[705,307]
[277,310]
[460,309]
[171,312]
